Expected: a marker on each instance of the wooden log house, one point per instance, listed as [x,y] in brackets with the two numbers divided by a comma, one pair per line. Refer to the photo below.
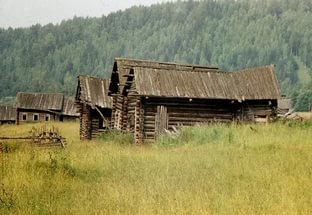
[42,107]
[94,106]
[151,97]
[7,115]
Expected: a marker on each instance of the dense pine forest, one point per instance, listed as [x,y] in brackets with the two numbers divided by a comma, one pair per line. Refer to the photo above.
[229,34]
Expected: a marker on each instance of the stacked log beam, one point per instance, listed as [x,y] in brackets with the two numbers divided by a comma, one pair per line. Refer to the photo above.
[114,111]
[85,122]
[138,131]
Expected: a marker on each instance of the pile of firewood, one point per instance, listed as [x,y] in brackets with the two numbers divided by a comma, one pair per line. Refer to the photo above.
[41,137]
[44,136]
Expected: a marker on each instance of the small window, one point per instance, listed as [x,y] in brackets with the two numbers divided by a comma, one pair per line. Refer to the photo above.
[36,117]
[47,117]
[24,116]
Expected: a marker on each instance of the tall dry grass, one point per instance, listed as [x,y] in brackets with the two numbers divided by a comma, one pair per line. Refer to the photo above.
[217,169]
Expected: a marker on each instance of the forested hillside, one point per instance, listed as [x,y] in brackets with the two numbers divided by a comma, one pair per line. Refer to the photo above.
[228,34]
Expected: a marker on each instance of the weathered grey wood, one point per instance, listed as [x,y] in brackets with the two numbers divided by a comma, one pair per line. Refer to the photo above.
[138,130]
[161,120]
[191,94]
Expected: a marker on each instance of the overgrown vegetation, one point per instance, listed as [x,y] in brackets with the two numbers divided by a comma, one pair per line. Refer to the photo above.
[117,137]
[229,34]
[222,169]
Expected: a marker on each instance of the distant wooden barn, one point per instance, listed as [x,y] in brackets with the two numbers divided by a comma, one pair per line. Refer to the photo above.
[151,97]
[285,105]
[40,107]
[7,115]
[95,106]
[70,111]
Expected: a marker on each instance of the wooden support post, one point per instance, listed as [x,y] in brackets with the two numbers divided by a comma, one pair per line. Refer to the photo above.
[138,127]
[161,120]
[17,117]
[124,114]
[114,110]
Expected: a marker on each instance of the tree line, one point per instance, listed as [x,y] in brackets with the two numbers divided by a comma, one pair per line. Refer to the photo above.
[229,34]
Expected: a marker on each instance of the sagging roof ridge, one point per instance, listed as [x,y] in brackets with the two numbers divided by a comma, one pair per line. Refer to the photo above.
[226,85]
[38,93]
[252,69]
[194,66]
[183,70]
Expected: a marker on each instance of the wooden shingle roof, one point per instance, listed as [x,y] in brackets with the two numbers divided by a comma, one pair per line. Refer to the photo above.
[256,83]
[69,108]
[124,65]
[94,91]
[7,113]
[194,81]
[40,101]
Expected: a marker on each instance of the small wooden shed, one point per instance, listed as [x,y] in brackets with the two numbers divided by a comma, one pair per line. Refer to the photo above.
[7,115]
[95,106]
[150,97]
[41,107]
[285,105]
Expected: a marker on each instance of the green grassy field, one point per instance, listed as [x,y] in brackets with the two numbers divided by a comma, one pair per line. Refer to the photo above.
[220,169]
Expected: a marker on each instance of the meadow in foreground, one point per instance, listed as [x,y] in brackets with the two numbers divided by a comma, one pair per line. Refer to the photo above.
[216,169]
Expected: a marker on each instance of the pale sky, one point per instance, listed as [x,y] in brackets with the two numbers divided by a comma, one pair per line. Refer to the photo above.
[24,13]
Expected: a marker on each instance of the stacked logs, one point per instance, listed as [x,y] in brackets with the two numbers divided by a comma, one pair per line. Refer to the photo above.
[44,137]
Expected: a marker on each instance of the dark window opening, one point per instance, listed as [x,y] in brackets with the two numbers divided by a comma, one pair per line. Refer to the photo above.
[36,117]
[47,117]
[24,116]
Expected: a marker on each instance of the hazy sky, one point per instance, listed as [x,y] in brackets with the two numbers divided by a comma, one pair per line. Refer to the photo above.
[23,13]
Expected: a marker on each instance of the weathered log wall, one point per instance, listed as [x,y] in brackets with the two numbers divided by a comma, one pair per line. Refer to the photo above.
[147,117]
[117,112]
[262,111]
[85,121]
[165,114]
[30,116]
[91,122]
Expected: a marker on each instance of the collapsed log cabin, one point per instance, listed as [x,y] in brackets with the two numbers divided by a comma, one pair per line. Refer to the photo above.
[95,106]
[152,97]
[42,107]
[7,115]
